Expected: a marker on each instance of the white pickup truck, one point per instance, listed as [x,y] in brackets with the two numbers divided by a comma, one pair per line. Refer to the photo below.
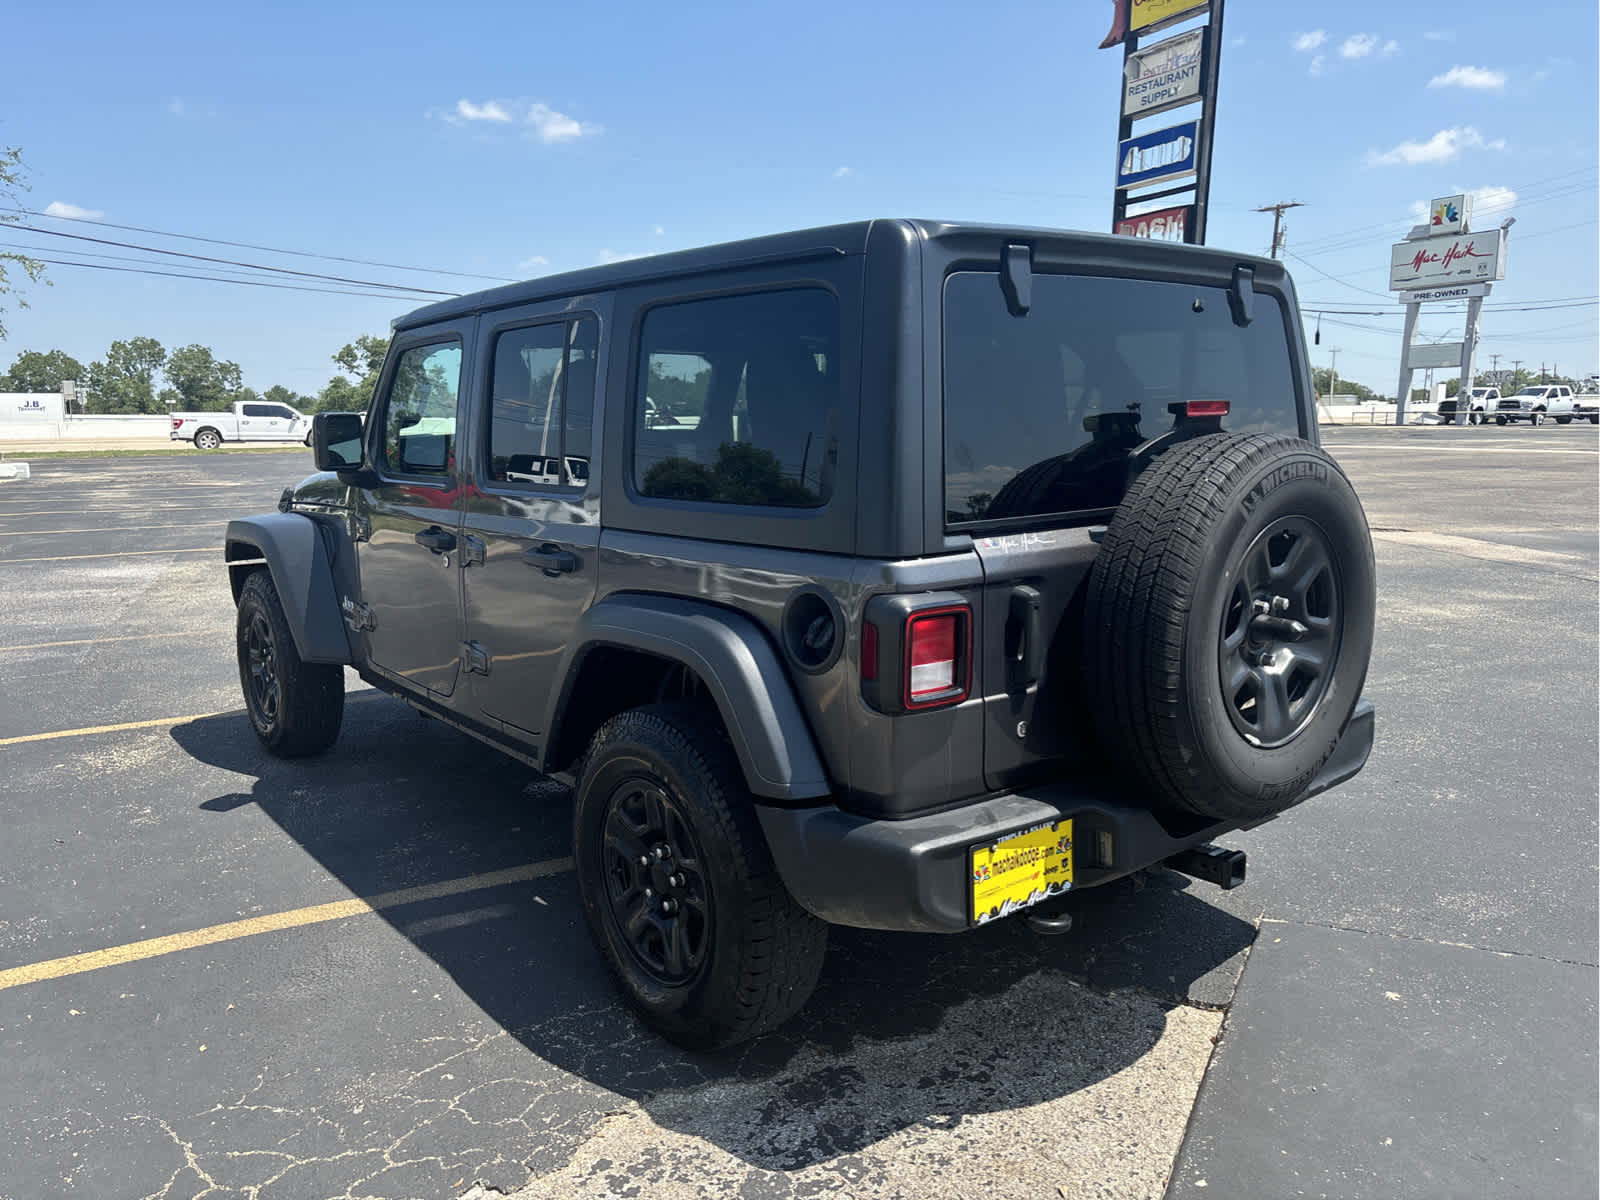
[250,421]
[1535,403]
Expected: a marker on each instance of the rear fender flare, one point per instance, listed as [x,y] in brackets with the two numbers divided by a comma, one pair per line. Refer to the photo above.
[299,561]
[740,668]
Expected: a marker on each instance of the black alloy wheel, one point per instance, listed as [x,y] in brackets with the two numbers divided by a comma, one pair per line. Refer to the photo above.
[264,693]
[657,900]
[1280,632]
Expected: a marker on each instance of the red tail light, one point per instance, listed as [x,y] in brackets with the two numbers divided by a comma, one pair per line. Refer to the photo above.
[938,649]
[1206,408]
[869,653]
[177,421]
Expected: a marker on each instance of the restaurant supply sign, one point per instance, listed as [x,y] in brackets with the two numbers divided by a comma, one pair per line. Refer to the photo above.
[1147,16]
[1164,76]
[1163,225]
[1437,262]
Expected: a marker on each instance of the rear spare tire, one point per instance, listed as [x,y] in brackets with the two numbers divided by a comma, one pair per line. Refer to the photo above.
[1229,623]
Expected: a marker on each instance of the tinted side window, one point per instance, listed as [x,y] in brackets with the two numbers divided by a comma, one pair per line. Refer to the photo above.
[542,403]
[1041,410]
[260,410]
[737,399]
[419,420]
[279,410]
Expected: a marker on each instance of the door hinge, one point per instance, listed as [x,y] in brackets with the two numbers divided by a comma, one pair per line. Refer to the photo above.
[473,550]
[474,658]
[358,616]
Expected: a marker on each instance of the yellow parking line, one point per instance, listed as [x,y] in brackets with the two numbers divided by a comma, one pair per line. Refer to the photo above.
[11,533]
[357,698]
[94,960]
[118,554]
[134,637]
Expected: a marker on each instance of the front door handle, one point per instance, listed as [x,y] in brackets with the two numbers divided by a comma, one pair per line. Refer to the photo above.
[437,540]
[551,559]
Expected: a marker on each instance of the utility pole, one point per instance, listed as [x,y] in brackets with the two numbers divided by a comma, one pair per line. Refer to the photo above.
[1333,373]
[1494,362]
[1277,211]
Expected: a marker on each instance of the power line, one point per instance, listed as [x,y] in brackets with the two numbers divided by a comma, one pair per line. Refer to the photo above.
[194,237]
[288,287]
[1277,210]
[230,262]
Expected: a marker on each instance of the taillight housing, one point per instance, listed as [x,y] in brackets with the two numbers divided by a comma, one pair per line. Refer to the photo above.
[916,652]
[177,421]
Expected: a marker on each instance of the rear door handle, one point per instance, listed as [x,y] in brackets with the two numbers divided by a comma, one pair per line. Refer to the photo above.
[437,540]
[1024,647]
[551,559]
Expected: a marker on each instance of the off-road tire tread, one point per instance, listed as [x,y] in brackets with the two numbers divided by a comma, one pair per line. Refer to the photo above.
[784,945]
[311,706]
[1140,593]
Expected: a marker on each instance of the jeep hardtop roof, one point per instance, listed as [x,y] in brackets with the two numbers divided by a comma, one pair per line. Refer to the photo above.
[1099,252]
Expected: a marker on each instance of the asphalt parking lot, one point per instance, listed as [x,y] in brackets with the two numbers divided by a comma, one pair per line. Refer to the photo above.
[366,974]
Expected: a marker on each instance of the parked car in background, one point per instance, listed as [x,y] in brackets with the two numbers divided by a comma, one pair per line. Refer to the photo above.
[250,421]
[1537,402]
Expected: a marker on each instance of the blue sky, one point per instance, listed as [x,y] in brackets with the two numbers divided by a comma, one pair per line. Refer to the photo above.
[515,140]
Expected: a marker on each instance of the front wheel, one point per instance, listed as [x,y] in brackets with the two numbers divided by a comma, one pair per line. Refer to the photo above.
[207,439]
[295,707]
[678,886]
[1499,420]
[1537,419]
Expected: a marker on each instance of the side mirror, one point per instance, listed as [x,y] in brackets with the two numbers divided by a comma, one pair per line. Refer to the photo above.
[336,441]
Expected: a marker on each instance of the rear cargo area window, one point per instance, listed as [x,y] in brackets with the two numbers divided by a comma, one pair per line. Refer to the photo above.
[1041,410]
[737,399]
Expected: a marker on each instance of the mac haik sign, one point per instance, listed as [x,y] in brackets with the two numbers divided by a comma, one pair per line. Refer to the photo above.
[1450,259]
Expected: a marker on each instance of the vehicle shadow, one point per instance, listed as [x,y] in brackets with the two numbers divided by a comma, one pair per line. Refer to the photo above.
[903,1031]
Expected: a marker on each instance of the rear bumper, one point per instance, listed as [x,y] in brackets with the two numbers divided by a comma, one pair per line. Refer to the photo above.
[912,875]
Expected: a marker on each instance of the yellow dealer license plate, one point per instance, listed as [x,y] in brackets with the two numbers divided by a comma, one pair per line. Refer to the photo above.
[1021,870]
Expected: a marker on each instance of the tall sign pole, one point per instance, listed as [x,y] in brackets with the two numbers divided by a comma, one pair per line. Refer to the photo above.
[1445,260]
[1174,161]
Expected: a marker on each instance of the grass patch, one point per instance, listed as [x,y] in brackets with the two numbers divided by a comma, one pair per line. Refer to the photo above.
[154,452]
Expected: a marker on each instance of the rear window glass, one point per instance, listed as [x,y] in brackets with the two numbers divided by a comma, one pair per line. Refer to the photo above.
[738,399]
[1041,410]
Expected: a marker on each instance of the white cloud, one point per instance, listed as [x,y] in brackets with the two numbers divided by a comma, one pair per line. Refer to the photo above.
[1237,41]
[1439,35]
[551,126]
[175,107]
[612,256]
[489,110]
[1317,64]
[660,230]
[1390,48]
[71,212]
[1442,147]
[1478,78]
[841,172]
[538,260]
[1304,42]
[1358,45]
[1492,201]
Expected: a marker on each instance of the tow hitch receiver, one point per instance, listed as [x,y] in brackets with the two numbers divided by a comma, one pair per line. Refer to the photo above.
[1214,864]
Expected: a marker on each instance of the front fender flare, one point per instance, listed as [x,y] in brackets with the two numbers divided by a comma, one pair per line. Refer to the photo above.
[741,670]
[298,558]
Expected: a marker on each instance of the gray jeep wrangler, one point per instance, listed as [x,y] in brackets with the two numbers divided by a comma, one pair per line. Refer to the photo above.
[899,574]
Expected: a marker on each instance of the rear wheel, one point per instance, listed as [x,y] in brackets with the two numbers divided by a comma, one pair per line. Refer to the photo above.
[1499,420]
[1229,623]
[207,439]
[1563,420]
[678,885]
[295,707]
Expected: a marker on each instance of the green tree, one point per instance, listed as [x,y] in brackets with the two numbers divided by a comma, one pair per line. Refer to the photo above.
[200,381]
[126,381]
[278,394]
[34,371]
[362,359]
[13,180]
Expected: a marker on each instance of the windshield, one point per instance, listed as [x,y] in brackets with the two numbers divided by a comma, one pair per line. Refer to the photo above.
[1531,391]
[1041,410]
